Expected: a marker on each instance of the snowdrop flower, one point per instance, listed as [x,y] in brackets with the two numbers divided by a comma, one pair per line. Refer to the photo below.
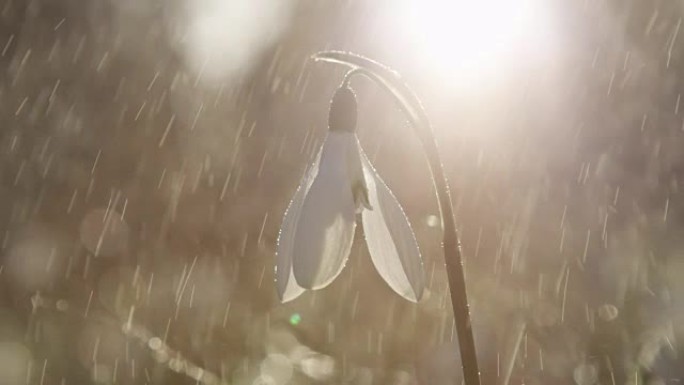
[402,249]
[317,232]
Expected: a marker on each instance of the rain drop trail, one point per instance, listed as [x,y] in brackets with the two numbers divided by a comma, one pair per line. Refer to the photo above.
[586,247]
[79,49]
[21,106]
[261,231]
[8,44]
[154,79]
[565,293]
[27,55]
[140,110]
[102,62]
[166,131]
[180,294]
[197,116]
[672,42]
[261,278]
[87,309]
[225,315]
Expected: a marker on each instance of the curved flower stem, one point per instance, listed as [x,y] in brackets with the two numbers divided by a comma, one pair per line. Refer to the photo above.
[411,106]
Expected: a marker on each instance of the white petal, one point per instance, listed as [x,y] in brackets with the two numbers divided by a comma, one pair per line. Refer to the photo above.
[326,223]
[391,242]
[287,286]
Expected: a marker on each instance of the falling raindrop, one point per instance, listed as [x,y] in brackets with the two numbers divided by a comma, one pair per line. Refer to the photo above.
[99,344]
[104,232]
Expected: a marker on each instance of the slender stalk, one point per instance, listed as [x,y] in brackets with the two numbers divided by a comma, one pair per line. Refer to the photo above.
[411,106]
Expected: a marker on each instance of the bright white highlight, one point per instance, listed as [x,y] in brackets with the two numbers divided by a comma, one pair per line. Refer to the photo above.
[466,38]
[223,37]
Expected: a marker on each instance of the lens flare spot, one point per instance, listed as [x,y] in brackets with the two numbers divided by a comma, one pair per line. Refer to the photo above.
[295,319]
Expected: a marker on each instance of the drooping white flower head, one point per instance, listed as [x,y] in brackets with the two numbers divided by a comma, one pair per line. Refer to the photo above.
[317,232]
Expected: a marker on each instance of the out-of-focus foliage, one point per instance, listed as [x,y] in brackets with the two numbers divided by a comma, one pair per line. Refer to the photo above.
[149,149]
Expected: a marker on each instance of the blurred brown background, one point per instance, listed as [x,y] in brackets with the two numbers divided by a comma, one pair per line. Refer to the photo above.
[149,149]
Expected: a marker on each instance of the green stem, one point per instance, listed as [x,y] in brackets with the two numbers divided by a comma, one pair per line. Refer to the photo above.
[411,106]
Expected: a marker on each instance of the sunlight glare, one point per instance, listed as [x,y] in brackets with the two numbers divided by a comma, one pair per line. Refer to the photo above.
[466,39]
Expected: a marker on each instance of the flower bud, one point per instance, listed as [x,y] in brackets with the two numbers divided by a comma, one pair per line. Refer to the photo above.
[343,111]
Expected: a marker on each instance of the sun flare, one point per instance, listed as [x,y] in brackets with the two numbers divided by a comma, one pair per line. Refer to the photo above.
[467,39]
